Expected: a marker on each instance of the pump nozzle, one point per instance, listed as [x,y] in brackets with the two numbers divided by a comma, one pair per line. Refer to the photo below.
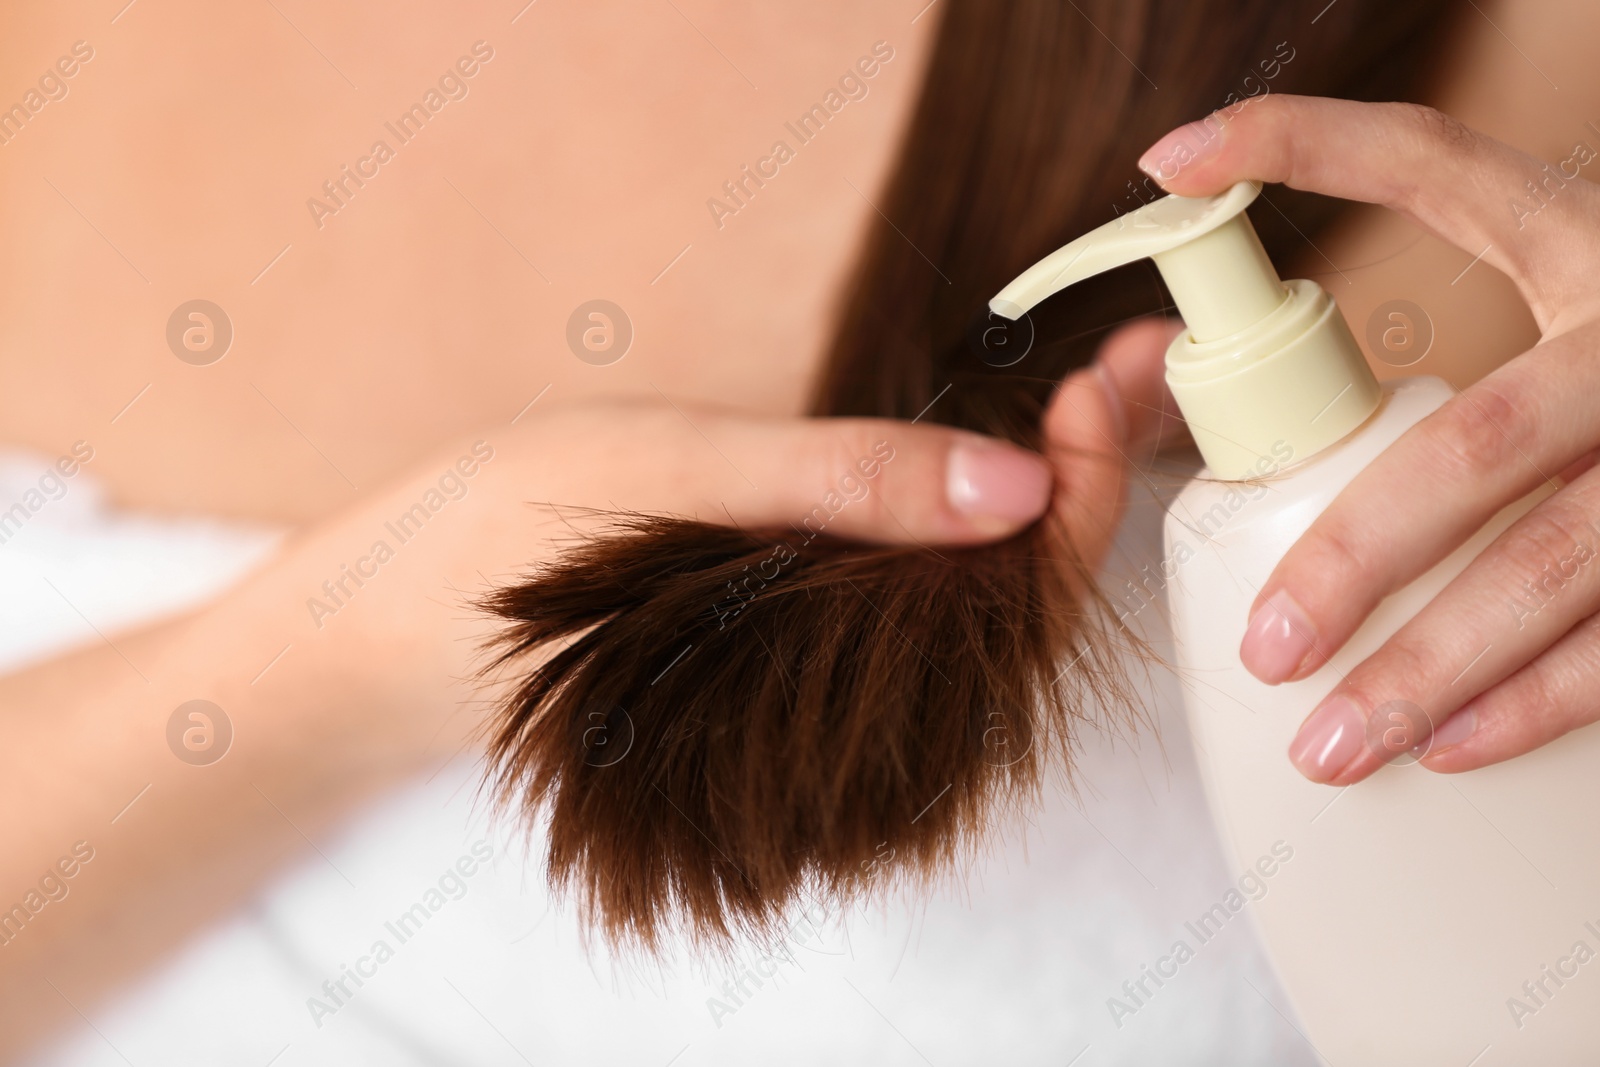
[1264,370]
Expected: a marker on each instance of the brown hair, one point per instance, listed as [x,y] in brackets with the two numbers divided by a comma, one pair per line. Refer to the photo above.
[724,720]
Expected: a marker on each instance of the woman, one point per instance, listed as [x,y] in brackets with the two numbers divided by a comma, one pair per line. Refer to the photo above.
[405,326]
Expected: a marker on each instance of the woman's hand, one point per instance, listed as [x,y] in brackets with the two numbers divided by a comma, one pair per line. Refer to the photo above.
[943,486]
[1507,657]
[347,663]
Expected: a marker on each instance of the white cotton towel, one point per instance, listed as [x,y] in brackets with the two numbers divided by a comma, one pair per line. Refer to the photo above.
[1016,963]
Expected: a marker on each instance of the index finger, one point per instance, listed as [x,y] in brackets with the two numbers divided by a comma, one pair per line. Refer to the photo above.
[1440,173]
[1483,448]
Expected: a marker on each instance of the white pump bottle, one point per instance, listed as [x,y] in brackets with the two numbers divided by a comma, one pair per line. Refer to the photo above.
[1423,918]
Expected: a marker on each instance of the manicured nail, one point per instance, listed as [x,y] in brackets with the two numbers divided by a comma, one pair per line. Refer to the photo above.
[1278,640]
[1178,149]
[1329,740]
[1456,729]
[996,486]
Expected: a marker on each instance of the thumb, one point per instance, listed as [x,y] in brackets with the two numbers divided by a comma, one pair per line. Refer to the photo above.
[1133,362]
[878,480]
[1104,417]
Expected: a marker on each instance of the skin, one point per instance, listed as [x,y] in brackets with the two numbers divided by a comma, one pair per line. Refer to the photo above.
[195,167]
[1502,674]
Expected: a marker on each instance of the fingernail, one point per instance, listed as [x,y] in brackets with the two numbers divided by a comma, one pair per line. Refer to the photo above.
[996,486]
[1456,729]
[1183,146]
[1329,740]
[1278,640]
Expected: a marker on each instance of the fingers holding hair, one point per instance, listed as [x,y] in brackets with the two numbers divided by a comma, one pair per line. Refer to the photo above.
[895,482]
[878,480]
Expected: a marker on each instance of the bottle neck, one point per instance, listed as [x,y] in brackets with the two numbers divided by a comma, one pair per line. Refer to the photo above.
[1222,281]
[1276,392]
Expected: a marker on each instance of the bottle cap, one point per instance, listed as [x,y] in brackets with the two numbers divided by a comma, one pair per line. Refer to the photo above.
[1265,373]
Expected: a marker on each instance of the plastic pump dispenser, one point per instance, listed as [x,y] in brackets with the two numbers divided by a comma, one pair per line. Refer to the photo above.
[1263,366]
[1414,918]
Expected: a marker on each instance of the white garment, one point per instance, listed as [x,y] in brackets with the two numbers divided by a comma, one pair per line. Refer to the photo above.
[72,568]
[1015,963]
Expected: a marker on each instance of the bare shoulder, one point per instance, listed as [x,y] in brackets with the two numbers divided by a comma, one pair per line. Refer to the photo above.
[264,259]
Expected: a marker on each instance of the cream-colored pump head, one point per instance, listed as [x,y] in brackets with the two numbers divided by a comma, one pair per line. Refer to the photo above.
[1266,373]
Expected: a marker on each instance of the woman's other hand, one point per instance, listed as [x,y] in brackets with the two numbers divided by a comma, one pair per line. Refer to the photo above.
[878,480]
[1495,680]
